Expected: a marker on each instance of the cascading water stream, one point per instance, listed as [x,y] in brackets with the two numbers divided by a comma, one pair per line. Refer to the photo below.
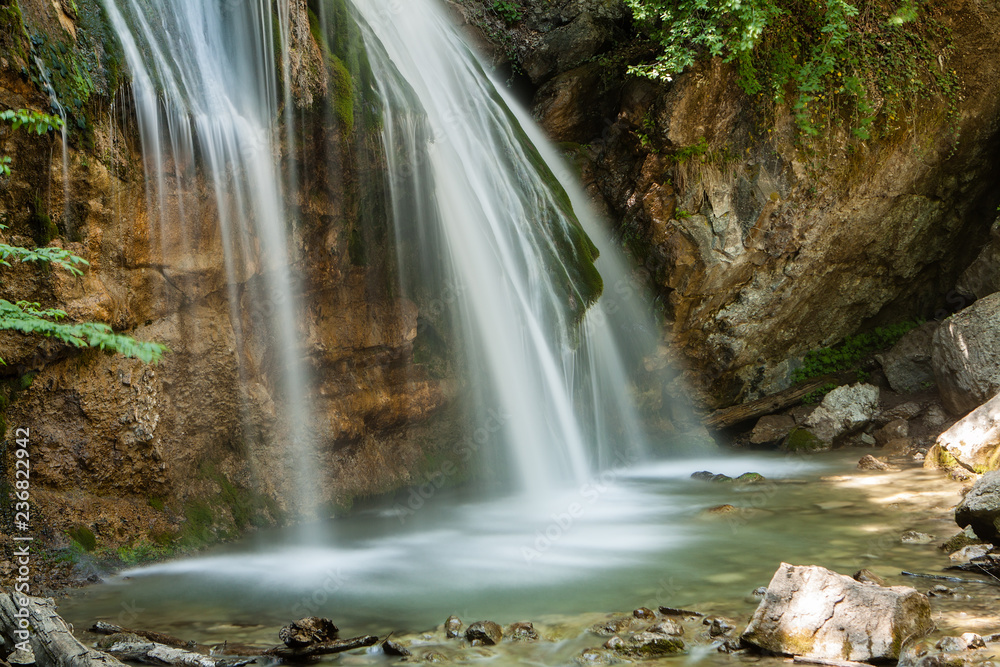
[205,91]
[498,220]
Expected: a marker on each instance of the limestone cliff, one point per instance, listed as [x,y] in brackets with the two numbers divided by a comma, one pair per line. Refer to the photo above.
[189,450]
[761,250]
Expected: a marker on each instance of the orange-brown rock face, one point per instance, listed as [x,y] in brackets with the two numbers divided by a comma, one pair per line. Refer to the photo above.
[206,427]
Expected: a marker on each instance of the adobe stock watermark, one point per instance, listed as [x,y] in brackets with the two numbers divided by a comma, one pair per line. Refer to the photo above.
[589,494]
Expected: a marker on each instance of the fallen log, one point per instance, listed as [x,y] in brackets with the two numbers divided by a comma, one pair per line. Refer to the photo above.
[325,648]
[103,628]
[34,622]
[737,414]
[134,649]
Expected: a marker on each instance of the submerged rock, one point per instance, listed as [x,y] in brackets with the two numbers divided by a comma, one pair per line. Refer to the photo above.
[649,645]
[844,410]
[485,633]
[750,478]
[644,612]
[980,508]
[967,356]
[307,631]
[916,537]
[522,631]
[869,462]
[814,612]
[866,576]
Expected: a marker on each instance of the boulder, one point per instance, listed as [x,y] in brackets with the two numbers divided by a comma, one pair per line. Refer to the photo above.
[811,611]
[484,633]
[967,356]
[843,410]
[772,428]
[907,365]
[980,508]
[974,440]
[308,631]
[982,278]
[897,428]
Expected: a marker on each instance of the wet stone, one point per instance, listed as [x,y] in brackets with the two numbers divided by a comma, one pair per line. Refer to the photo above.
[667,627]
[650,645]
[973,640]
[915,537]
[869,462]
[952,644]
[390,647]
[614,643]
[674,611]
[759,592]
[719,625]
[593,656]
[484,633]
[523,631]
[644,613]
[612,626]
[453,627]
[703,475]
[434,656]
[866,576]
[308,631]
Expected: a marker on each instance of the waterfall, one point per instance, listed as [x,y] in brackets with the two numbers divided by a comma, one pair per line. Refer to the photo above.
[473,188]
[204,83]
[487,219]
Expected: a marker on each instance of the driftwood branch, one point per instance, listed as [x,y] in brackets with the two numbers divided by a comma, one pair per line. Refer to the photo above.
[325,648]
[737,414]
[47,634]
[134,649]
[102,628]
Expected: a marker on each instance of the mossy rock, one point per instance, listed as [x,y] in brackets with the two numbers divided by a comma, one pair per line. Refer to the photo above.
[801,440]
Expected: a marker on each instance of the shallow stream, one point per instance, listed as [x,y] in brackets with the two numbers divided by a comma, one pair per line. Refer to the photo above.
[640,536]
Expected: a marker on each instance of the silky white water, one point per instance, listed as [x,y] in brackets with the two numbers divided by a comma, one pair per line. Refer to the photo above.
[204,86]
[501,228]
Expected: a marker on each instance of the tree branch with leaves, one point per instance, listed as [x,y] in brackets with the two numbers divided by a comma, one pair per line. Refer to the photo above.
[30,318]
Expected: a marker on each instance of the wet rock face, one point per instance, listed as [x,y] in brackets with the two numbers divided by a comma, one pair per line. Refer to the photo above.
[196,426]
[967,356]
[982,278]
[759,256]
[980,508]
[814,612]
[907,365]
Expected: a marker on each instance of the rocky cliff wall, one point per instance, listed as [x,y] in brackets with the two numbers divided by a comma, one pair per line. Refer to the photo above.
[759,248]
[191,449]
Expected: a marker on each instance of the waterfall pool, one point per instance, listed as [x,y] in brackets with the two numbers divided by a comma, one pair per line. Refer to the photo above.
[644,536]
